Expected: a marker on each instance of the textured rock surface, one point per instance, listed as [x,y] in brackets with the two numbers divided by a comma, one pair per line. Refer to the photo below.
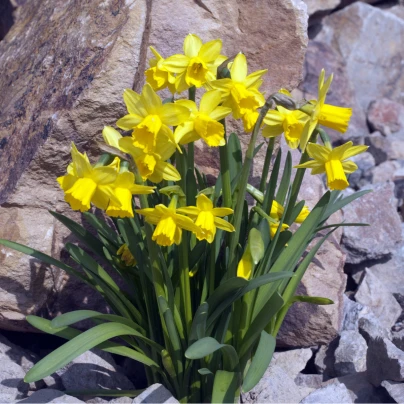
[384,233]
[353,312]
[395,389]
[156,393]
[371,329]
[324,361]
[333,393]
[374,69]
[321,6]
[363,175]
[386,116]
[293,361]
[12,385]
[65,70]
[350,356]
[50,396]
[377,297]
[379,147]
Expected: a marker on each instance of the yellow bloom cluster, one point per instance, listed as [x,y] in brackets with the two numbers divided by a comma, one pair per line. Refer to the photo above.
[157,129]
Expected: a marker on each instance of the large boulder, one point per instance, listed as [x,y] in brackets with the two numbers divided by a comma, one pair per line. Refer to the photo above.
[64,71]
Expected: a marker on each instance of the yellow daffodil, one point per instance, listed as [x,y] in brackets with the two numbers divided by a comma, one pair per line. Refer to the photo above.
[152,166]
[85,184]
[240,92]
[198,64]
[203,123]
[126,256]
[157,75]
[245,265]
[169,224]
[207,218]
[333,162]
[273,227]
[124,187]
[291,123]
[333,117]
[277,212]
[148,117]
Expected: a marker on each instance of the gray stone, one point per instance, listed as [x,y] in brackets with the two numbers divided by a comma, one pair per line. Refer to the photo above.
[384,361]
[386,116]
[353,311]
[333,393]
[371,329]
[395,389]
[320,6]
[324,360]
[382,235]
[377,297]
[12,385]
[292,361]
[363,175]
[350,356]
[379,147]
[309,380]
[50,396]
[398,179]
[397,146]
[398,339]
[156,393]
[385,171]
[276,386]
[374,69]
[93,370]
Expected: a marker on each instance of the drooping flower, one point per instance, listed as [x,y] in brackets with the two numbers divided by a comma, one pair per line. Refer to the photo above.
[157,75]
[203,123]
[85,184]
[198,64]
[126,255]
[282,120]
[169,223]
[240,92]
[273,227]
[148,117]
[331,116]
[333,162]
[124,187]
[277,211]
[207,218]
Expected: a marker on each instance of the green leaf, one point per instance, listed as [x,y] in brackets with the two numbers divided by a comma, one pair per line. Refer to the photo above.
[273,180]
[320,301]
[191,187]
[197,253]
[260,361]
[235,155]
[198,327]
[77,346]
[102,228]
[226,387]
[205,372]
[285,181]
[256,245]
[81,233]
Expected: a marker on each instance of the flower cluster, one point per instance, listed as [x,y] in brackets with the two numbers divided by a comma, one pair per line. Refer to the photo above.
[158,129]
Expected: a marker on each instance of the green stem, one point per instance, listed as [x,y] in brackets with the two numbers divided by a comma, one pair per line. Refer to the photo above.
[191,151]
[185,291]
[225,172]
[267,163]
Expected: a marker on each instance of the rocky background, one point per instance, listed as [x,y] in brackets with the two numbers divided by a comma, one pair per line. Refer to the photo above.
[64,69]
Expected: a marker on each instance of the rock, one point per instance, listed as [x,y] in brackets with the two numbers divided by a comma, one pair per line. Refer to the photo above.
[397,146]
[353,311]
[379,147]
[386,116]
[398,179]
[12,385]
[320,6]
[384,361]
[363,175]
[333,393]
[93,370]
[319,56]
[377,297]
[276,386]
[384,172]
[50,396]
[324,360]
[65,71]
[309,380]
[292,361]
[350,356]
[374,69]
[398,339]
[371,329]
[156,393]
[384,233]
[395,389]
[397,11]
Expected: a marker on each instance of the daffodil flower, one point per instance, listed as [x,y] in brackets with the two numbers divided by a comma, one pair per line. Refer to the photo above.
[157,75]
[124,187]
[273,227]
[277,212]
[85,184]
[198,64]
[148,117]
[333,162]
[151,166]
[331,116]
[207,218]
[291,123]
[169,224]
[203,123]
[126,255]
[240,92]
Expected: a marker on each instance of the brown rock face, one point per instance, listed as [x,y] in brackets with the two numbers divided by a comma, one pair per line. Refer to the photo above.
[64,68]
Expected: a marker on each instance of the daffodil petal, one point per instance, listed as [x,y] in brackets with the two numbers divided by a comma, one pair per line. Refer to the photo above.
[252,79]
[185,133]
[223,224]
[353,151]
[132,102]
[176,63]
[129,122]
[192,45]
[111,136]
[210,51]
[173,114]
[167,171]
[151,101]
[191,211]
[221,212]
[338,152]
[220,113]
[238,68]
[349,167]
[209,101]
[318,152]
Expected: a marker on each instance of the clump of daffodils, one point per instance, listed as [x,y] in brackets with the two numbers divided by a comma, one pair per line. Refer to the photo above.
[207,280]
